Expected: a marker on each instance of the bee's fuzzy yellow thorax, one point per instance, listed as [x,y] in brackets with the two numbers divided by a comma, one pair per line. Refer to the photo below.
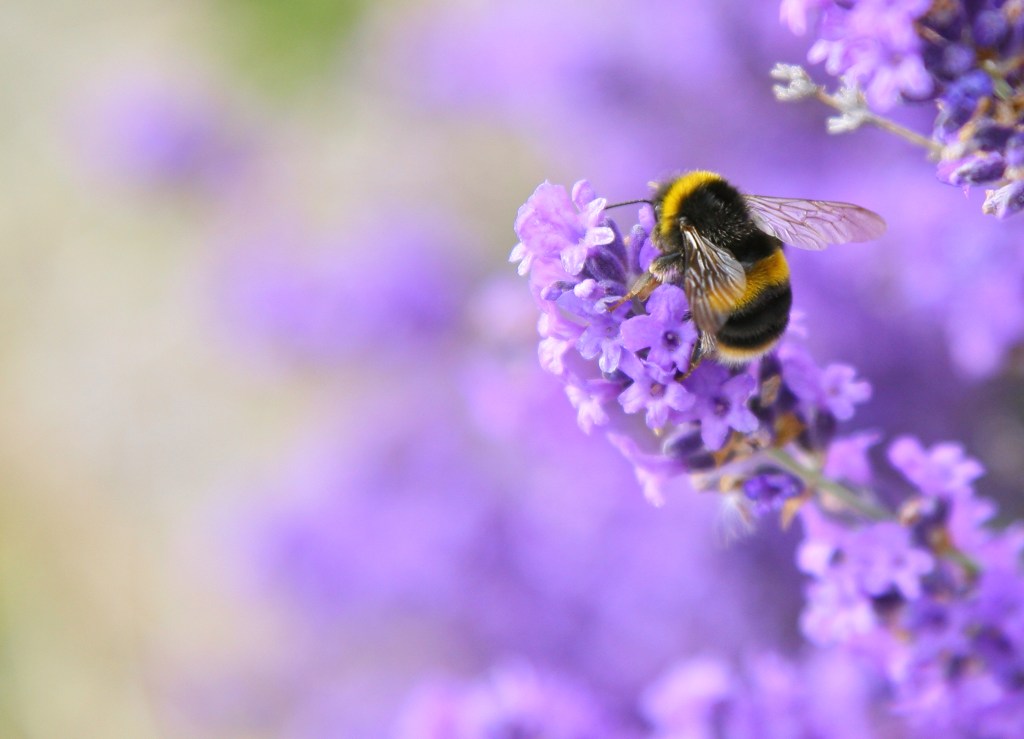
[681,189]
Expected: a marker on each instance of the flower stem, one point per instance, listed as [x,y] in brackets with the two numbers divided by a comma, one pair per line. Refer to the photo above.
[970,566]
[934,149]
[816,481]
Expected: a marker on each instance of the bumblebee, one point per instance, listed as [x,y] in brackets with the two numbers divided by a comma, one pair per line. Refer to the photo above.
[724,249]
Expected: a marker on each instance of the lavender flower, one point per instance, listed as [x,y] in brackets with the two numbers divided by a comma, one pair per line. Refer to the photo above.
[944,471]
[515,699]
[635,360]
[874,43]
[766,696]
[934,600]
[861,565]
[664,331]
[769,488]
[912,594]
[964,57]
[518,535]
[657,394]
[436,520]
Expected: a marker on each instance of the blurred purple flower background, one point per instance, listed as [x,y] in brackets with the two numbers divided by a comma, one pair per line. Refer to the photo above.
[321,480]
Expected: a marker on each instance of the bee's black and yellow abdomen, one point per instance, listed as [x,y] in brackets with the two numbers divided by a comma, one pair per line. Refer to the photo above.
[759,318]
[705,203]
[755,329]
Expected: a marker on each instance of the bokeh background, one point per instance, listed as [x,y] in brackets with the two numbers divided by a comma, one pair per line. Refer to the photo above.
[277,457]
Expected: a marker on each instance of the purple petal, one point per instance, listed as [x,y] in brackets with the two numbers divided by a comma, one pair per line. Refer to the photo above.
[641,332]
[713,431]
[667,304]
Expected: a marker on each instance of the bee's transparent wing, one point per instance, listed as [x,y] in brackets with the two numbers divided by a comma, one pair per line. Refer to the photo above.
[714,282]
[814,224]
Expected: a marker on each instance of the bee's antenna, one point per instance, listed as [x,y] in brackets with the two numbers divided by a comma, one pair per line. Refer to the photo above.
[629,202]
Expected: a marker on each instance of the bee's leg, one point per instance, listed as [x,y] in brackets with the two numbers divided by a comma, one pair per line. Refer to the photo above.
[696,357]
[641,289]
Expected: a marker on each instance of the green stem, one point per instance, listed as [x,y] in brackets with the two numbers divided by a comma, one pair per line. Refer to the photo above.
[816,481]
[971,568]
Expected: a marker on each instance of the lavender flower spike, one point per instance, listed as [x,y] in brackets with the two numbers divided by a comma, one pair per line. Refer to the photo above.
[928,595]
[965,58]
[934,601]
[627,370]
